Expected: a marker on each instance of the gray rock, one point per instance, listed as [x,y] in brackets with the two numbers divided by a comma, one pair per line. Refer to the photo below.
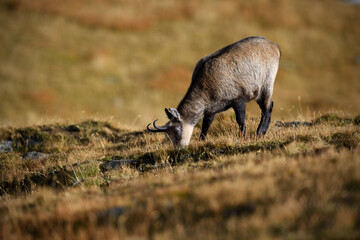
[116,164]
[6,146]
[295,124]
[35,156]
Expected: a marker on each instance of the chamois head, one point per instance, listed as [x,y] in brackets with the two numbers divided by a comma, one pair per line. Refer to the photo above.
[173,128]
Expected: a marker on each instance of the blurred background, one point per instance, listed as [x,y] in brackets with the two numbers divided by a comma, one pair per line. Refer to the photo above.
[65,60]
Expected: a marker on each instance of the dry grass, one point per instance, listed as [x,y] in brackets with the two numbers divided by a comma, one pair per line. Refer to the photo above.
[293,183]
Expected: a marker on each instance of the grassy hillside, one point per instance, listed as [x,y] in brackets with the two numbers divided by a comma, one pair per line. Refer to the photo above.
[94,180]
[79,81]
[127,60]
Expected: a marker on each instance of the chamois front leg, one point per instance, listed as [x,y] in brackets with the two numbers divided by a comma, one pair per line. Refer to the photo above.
[208,118]
[240,113]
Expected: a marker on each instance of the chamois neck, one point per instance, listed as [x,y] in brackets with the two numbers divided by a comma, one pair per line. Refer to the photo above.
[190,109]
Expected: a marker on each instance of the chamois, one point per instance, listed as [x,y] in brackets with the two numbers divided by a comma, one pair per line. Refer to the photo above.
[227,78]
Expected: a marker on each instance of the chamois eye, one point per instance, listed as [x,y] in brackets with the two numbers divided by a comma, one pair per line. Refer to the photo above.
[177,130]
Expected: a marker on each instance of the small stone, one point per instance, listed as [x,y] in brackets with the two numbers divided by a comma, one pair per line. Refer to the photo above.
[6,146]
[295,124]
[116,164]
[34,156]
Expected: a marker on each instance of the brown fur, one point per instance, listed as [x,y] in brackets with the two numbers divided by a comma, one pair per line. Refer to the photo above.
[239,71]
[229,77]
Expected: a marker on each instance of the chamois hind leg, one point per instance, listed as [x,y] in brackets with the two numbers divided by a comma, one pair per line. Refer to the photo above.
[208,118]
[266,106]
[240,113]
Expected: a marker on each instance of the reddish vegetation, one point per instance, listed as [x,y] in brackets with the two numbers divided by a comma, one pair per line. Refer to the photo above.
[120,14]
[43,97]
[176,79]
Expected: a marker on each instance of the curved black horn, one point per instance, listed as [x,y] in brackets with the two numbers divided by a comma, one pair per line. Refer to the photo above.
[151,130]
[158,129]
[163,128]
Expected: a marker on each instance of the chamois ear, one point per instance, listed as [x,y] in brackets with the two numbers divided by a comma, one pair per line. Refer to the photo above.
[173,114]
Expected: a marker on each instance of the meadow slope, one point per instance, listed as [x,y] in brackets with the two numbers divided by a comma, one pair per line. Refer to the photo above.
[99,181]
[127,60]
